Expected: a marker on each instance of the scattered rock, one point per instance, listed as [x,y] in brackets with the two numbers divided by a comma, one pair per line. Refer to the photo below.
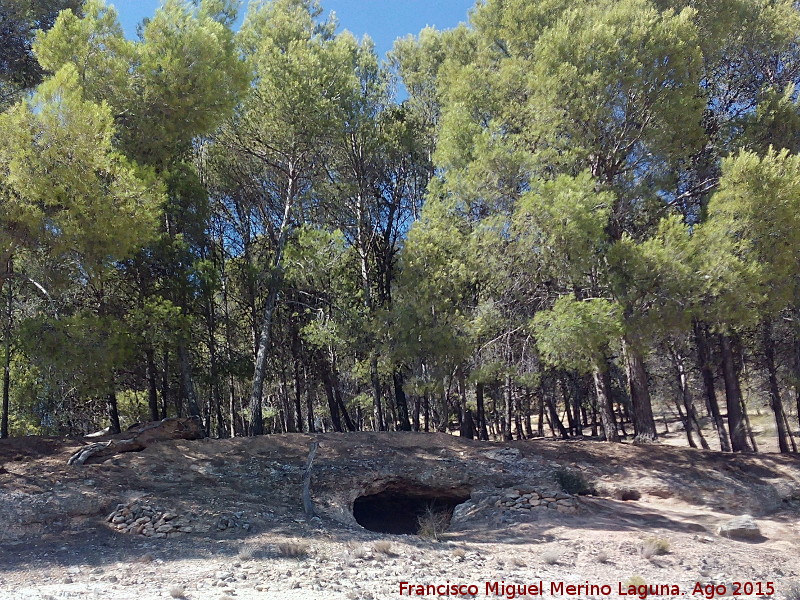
[741,528]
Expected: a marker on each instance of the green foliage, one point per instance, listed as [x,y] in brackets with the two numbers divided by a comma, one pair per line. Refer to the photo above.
[179,81]
[748,248]
[576,334]
[574,482]
[562,226]
[66,187]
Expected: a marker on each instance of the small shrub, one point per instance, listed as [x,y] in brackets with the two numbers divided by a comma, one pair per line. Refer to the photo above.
[246,553]
[602,557]
[177,591]
[654,547]
[459,553]
[574,482]
[383,547]
[629,494]
[551,556]
[292,550]
[355,550]
[433,523]
[635,581]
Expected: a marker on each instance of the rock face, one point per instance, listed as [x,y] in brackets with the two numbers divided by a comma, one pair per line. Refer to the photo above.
[741,528]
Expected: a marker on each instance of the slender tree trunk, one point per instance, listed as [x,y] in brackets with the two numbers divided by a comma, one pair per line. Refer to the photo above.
[273,289]
[690,422]
[312,428]
[113,412]
[333,407]
[555,421]
[602,384]
[528,424]
[643,421]
[187,380]
[401,402]
[704,364]
[7,328]
[774,392]
[483,433]
[687,424]
[256,418]
[165,385]
[415,423]
[567,406]
[152,388]
[509,412]
[540,423]
[215,395]
[733,397]
[789,431]
[298,397]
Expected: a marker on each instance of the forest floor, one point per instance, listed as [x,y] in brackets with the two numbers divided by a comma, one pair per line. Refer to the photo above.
[249,538]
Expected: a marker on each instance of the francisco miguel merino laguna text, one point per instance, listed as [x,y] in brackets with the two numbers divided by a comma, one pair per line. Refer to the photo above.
[555,588]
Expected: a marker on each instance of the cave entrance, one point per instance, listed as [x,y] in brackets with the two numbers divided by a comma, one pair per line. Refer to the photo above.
[398,507]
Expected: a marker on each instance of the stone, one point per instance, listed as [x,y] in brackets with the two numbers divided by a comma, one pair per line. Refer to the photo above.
[741,528]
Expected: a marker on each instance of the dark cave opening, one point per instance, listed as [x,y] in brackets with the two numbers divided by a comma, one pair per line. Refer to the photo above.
[397,509]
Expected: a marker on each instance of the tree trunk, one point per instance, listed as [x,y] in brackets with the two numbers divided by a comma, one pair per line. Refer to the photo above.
[113,412]
[8,324]
[256,418]
[483,433]
[733,398]
[337,392]
[555,421]
[602,384]
[509,412]
[704,364]
[165,385]
[690,422]
[152,388]
[333,407]
[528,424]
[774,392]
[187,380]
[401,402]
[643,422]
[312,427]
[540,408]
[273,289]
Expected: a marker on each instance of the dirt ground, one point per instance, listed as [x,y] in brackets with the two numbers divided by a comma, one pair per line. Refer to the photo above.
[249,538]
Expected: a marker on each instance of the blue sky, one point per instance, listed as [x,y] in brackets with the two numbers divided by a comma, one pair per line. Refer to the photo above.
[383,20]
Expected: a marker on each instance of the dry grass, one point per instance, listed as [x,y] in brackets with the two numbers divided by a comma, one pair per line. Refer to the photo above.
[434,523]
[551,556]
[653,547]
[356,551]
[383,547]
[292,550]
[635,581]
[246,552]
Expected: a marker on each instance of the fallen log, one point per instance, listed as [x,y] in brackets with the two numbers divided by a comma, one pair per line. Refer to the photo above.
[139,438]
